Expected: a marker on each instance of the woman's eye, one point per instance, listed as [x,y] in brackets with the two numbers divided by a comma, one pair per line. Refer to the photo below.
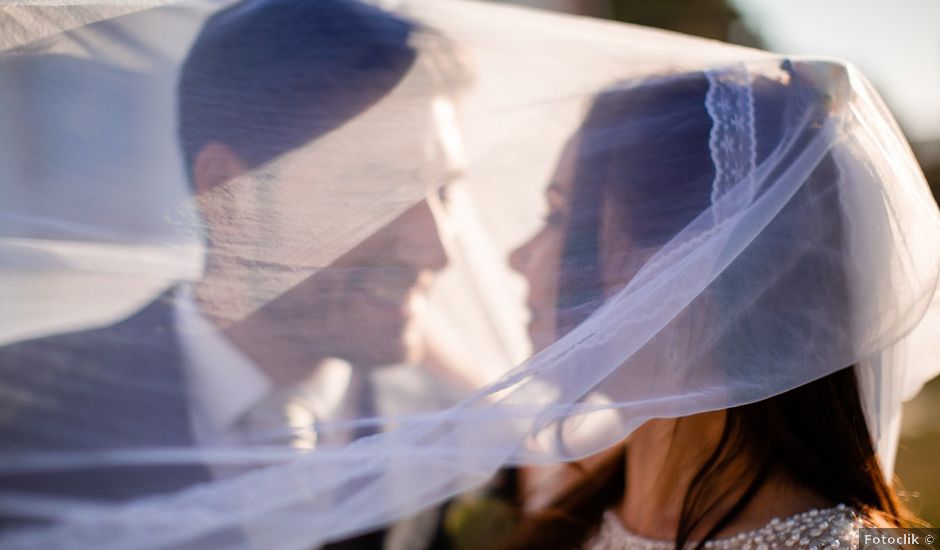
[555,218]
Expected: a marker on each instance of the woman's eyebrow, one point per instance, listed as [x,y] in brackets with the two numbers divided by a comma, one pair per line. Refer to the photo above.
[555,191]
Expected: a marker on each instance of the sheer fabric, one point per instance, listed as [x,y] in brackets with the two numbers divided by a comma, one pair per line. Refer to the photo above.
[279,273]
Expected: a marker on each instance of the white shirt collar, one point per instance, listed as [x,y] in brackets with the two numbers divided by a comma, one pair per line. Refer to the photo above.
[333,388]
[224,384]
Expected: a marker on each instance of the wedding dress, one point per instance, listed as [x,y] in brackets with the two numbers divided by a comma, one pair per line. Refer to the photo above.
[835,527]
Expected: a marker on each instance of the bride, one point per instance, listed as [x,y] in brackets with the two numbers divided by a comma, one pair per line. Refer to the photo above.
[798,469]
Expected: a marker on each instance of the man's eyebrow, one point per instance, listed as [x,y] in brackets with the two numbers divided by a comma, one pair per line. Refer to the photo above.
[454,174]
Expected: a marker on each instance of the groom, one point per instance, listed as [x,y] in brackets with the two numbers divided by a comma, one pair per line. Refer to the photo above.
[252,347]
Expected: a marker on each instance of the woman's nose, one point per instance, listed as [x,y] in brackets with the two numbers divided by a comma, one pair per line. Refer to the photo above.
[519,258]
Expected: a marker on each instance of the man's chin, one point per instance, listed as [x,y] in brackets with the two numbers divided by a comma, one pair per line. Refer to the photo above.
[404,351]
[406,355]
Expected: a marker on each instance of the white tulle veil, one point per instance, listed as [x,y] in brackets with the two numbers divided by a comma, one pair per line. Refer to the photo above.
[329,207]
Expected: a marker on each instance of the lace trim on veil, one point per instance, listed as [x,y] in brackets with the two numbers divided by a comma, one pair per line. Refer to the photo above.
[732,141]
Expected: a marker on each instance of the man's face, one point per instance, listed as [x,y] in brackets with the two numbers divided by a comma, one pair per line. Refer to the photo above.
[368,306]
[367,303]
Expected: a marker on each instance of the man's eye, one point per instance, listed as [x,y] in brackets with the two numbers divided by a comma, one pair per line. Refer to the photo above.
[443,194]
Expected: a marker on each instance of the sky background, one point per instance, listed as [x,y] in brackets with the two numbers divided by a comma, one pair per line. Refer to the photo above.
[896,45]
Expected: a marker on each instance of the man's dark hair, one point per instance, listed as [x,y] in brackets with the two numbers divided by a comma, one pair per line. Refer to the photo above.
[264,77]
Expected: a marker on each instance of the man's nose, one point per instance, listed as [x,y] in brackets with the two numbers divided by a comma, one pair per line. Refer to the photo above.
[422,239]
[431,253]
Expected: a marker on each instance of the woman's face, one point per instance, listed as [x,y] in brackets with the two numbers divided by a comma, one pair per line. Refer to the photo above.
[539,259]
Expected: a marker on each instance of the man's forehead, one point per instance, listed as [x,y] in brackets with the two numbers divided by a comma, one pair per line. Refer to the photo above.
[394,146]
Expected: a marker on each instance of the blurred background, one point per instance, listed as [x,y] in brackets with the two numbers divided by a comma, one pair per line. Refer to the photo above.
[897,46]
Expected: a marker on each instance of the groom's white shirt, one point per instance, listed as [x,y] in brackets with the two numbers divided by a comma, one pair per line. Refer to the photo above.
[224,384]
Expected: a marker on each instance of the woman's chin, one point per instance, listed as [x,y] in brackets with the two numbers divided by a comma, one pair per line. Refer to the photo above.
[541,334]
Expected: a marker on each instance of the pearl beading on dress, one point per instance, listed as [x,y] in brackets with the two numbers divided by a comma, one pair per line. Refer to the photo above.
[816,529]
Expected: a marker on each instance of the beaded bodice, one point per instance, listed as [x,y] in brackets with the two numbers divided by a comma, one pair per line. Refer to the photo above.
[835,527]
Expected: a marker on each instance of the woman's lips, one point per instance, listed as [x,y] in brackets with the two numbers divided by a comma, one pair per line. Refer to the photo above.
[538,308]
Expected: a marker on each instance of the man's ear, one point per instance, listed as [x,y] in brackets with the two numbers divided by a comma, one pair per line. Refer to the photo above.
[214,165]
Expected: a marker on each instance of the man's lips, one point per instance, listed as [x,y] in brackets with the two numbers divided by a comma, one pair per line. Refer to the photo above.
[403,302]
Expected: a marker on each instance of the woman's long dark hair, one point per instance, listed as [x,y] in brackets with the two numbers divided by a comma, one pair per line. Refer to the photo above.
[816,434]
